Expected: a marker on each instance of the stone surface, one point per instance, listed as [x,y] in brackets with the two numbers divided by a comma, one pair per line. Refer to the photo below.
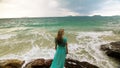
[39,63]
[43,63]
[112,49]
[11,63]
[70,63]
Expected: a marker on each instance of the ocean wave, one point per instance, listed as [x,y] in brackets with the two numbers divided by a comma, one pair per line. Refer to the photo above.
[6,36]
[86,46]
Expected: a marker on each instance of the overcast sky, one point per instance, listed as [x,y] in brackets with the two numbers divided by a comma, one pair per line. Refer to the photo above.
[51,8]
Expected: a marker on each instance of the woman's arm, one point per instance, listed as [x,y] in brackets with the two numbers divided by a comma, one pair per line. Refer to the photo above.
[55,46]
[66,48]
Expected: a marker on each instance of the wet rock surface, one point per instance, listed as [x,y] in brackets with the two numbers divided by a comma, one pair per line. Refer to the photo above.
[70,63]
[39,63]
[112,49]
[43,63]
[11,63]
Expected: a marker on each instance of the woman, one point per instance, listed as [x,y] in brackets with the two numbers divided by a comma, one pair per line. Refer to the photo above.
[61,50]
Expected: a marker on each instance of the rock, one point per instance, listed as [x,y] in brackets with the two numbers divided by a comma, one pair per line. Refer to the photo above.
[48,62]
[70,63]
[11,63]
[112,49]
[39,63]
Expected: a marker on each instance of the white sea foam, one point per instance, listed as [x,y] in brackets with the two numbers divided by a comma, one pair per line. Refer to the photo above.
[94,35]
[34,53]
[91,42]
[7,30]
[37,52]
[6,36]
[87,49]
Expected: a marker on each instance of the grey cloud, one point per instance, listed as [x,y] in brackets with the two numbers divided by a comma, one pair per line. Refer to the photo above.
[84,7]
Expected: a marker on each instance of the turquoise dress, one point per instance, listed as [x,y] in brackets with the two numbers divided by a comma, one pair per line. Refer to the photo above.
[59,57]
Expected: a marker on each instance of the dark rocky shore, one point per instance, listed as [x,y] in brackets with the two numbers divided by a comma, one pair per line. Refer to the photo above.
[43,63]
[11,63]
[112,49]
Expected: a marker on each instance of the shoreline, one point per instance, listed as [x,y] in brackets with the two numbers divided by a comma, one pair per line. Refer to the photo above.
[43,63]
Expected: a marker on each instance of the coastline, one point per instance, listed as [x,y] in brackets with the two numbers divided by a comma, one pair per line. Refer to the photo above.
[43,63]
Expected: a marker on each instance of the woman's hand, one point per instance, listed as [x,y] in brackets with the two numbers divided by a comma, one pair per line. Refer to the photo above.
[66,48]
[55,48]
[66,52]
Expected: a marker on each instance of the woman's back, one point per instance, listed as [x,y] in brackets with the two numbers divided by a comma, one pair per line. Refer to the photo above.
[62,43]
[61,50]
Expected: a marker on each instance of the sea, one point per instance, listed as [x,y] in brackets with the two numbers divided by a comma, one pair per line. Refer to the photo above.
[31,38]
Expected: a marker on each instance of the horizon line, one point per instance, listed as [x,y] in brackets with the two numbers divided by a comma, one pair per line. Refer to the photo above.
[59,16]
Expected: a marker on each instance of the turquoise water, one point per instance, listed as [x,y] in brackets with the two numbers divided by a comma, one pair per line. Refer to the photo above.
[31,38]
[79,23]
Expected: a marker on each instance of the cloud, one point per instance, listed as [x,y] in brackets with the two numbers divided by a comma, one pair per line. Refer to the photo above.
[33,8]
[83,7]
[111,7]
[48,8]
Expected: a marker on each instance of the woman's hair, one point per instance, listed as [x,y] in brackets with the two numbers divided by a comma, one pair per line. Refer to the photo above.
[59,38]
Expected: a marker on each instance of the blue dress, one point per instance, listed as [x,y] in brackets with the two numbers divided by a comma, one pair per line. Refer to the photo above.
[59,57]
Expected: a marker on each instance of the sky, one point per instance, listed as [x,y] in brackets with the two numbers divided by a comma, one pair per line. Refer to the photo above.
[56,8]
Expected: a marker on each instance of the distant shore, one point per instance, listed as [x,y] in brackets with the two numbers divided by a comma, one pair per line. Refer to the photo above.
[62,16]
